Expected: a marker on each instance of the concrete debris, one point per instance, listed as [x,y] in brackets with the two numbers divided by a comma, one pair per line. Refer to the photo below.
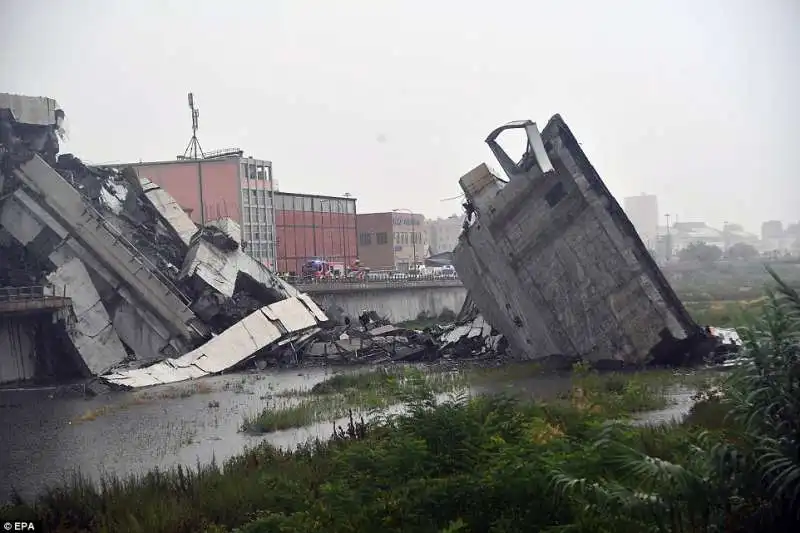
[92,331]
[279,323]
[554,269]
[552,261]
[471,337]
[145,284]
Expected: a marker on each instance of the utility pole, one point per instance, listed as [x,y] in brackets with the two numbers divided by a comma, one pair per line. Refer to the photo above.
[193,149]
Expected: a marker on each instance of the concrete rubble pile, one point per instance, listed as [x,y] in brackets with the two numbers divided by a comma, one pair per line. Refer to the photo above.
[374,341]
[551,260]
[153,298]
[377,341]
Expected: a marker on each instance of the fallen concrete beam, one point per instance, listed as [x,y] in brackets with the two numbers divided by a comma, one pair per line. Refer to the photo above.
[220,269]
[92,332]
[554,264]
[272,325]
[110,247]
[32,226]
[171,213]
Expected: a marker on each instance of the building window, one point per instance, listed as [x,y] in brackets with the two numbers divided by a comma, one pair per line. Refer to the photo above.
[381,238]
[365,239]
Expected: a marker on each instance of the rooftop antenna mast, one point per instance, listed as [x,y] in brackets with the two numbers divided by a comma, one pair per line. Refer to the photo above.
[193,150]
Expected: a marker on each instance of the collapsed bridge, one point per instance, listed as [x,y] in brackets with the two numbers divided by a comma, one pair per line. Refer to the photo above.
[145,284]
[552,261]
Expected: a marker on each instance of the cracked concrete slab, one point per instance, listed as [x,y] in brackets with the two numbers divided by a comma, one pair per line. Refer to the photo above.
[92,333]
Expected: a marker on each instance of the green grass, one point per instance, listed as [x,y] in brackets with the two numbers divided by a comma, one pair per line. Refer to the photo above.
[726,313]
[360,391]
[614,394]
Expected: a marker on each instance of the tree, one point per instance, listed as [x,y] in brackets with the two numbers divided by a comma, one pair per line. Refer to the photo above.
[742,250]
[700,251]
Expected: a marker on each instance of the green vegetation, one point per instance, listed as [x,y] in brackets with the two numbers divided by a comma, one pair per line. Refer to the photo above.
[363,391]
[499,465]
[726,314]
[726,281]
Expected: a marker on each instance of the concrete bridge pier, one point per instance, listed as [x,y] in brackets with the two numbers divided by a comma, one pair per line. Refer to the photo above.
[34,340]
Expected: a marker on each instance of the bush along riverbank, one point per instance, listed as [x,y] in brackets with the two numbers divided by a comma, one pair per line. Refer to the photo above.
[499,465]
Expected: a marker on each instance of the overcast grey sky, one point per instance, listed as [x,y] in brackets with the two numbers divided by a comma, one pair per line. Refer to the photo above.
[693,100]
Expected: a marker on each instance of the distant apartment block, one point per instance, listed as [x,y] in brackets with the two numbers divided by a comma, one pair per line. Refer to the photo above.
[642,211]
[772,229]
[390,241]
[776,238]
[443,233]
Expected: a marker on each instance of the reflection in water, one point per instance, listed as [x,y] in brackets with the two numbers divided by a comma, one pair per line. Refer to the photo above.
[46,439]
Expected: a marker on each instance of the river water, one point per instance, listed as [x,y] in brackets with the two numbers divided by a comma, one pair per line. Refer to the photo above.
[45,439]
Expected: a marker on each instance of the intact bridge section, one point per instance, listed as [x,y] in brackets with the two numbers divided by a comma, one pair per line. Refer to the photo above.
[398,301]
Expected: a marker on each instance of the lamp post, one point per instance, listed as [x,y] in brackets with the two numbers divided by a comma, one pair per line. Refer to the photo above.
[413,234]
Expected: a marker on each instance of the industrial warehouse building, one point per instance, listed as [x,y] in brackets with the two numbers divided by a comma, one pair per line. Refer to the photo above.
[312,226]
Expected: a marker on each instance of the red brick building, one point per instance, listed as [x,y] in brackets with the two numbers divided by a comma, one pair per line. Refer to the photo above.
[229,185]
[311,226]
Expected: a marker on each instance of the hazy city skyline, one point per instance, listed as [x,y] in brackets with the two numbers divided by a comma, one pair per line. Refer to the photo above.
[692,102]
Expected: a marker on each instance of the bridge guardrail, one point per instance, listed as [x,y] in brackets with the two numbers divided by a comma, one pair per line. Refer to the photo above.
[353,284]
[135,253]
[31,292]
[33,298]
[382,278]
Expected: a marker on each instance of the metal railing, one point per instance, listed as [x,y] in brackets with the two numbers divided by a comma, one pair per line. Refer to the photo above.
[137,254]
[395,279]
[31,292]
